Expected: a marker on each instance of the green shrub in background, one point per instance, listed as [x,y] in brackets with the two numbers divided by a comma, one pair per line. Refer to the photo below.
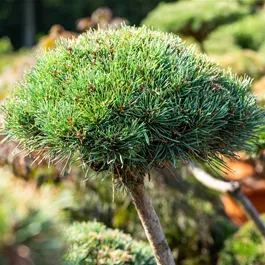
[194,17]
[247,33]
[243,62]
[29,224]
[32,228]
[246,247]
[5,45]
[92,243]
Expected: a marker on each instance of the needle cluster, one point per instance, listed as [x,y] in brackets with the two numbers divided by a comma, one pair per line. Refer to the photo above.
[129,99]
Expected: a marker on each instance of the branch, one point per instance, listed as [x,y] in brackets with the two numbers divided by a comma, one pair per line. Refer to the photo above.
[212,183]
[234,190]
[151,224]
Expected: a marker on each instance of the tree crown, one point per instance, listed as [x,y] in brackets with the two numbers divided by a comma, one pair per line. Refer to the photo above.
[129,99]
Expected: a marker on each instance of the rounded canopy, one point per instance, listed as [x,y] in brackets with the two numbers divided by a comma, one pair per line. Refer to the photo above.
[131,98]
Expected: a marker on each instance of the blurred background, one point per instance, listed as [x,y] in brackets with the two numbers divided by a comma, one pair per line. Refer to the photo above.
[39,205]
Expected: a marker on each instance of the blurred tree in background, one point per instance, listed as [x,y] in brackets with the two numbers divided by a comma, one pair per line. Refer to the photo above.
[247,33]
[198,19]
[195,18]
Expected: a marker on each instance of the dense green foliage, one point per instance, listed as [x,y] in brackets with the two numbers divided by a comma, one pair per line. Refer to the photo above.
[92,243]
[194,17]
[246,247]
[247,33]
[129,99]
[29,228]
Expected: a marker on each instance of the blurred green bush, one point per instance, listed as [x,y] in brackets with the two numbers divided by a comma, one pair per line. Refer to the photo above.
[195,18]
[246,247]
[32,226]
[247,33]
[5,45]
[93,243]
[29,224]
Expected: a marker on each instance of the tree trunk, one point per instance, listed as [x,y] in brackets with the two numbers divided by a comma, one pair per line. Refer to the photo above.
[202,47]
[151,224]
[29,23]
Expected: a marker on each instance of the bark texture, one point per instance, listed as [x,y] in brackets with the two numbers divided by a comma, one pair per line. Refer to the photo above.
[151,224]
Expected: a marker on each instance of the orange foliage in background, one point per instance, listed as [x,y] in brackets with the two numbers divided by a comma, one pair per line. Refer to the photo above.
[250,173]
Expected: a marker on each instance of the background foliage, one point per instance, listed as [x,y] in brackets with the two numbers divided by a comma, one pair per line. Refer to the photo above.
[195,18]
[30,224]
[92,243]
[246,247]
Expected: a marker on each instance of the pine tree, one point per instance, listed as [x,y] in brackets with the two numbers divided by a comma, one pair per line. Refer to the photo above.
[128,100]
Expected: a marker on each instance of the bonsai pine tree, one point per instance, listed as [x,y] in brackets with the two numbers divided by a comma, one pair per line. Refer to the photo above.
[124,101]
[195,18]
